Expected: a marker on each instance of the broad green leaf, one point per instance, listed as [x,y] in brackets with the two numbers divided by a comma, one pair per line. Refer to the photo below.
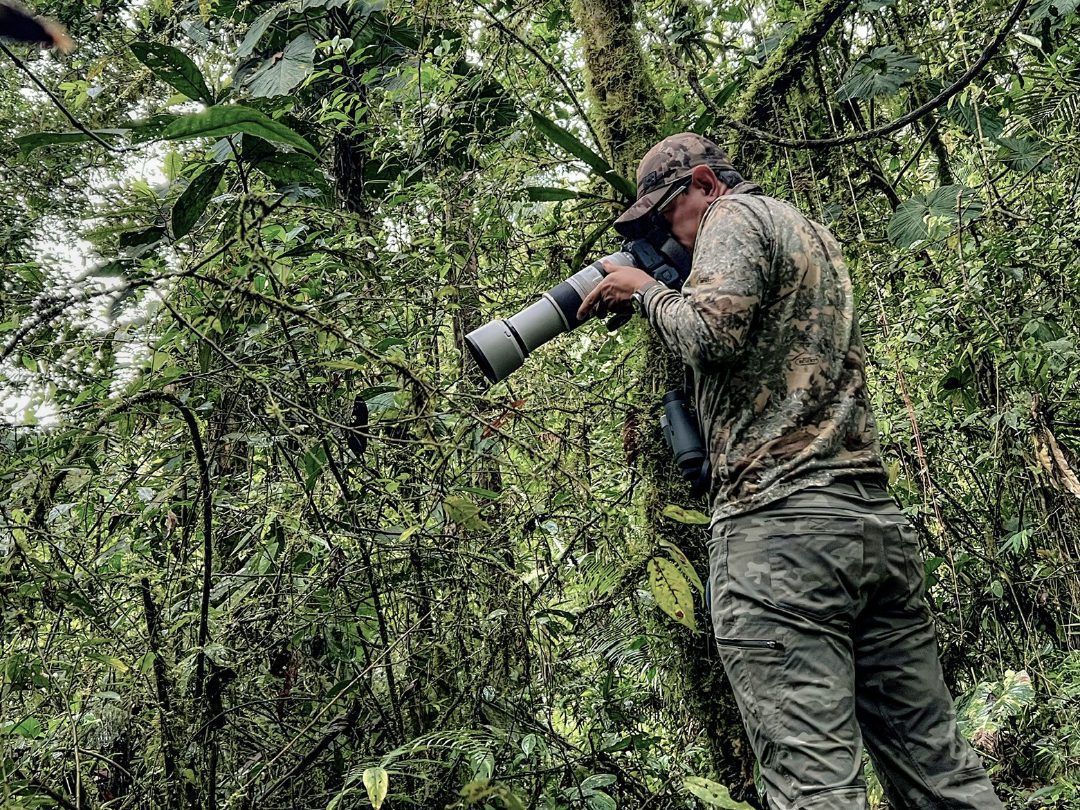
[691,516]
[982,120]
[1052,9]
[541,194]
[881,72]
[109,660]
[257,29]
[464,513]
[283,71]
[29,728]
[682,562]
[560,137]
[600,801]
[671,591]
[192,203]
[28,143]
[142,238]
[985,708]
[377,782]
[908,223]
[945,207]
[712,793]
[217,122]
[174,68]
[1024,154]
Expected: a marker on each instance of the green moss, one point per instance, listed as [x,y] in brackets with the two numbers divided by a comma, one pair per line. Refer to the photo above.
[628,108]
[783,66]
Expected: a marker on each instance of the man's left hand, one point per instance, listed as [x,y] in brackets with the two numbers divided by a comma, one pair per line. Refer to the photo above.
[614,291]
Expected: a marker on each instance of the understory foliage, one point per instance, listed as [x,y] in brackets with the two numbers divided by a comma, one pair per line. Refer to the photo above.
[268,539]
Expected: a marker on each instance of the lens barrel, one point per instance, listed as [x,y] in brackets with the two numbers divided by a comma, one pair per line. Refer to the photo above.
[501,346]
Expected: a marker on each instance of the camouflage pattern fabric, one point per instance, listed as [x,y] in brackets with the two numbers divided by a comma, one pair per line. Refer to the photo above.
[819,614]
[766,320]
[671,159]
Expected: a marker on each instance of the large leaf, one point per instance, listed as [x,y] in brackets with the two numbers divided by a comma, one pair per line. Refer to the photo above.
[34,140]
[671,591]
[377,782]
[217,122]
[464,513]
[934,215]
[881,72]
[192,203]
[712,793]
[560,137]
[258,28]
[691,516]
[1024,154]
[1053,9]
[174,68]
[682,562]
[283,71]
[543,194]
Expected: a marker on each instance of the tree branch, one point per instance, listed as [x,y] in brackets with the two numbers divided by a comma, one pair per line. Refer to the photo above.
[75,122]
[887,129]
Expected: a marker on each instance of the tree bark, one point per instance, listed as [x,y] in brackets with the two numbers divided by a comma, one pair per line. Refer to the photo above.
[628,117]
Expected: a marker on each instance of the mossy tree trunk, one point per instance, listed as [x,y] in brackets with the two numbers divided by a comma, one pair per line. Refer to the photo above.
[629,118]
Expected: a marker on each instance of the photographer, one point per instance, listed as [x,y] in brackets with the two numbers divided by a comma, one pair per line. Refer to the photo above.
[816,576]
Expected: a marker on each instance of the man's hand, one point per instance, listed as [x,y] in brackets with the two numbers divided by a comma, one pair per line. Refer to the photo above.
[614,291]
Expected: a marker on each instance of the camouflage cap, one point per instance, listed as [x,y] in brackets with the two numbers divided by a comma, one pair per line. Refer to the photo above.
[670,160]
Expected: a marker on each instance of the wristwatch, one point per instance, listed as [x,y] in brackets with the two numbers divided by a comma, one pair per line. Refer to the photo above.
[638,299]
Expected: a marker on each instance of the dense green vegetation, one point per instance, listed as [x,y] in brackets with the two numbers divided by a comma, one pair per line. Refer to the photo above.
[267,539]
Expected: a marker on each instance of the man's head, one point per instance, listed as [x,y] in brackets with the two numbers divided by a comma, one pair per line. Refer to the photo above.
[678,179]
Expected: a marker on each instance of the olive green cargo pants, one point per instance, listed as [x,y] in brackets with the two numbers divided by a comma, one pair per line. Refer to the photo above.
[818,610]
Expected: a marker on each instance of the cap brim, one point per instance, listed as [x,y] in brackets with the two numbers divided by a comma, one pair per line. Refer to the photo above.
[633,219]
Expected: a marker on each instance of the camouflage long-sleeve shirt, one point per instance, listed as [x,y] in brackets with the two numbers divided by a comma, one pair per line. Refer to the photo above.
[766,320]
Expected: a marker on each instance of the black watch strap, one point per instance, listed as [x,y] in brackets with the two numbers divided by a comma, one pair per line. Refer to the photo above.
[638,298]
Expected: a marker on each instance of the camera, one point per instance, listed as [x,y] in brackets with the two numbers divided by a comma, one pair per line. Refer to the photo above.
[501,346]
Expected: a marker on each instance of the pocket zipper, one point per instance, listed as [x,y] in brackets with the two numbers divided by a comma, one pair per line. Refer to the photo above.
[750,643]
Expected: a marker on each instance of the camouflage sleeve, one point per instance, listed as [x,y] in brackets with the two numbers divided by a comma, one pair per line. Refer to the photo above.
[708,322]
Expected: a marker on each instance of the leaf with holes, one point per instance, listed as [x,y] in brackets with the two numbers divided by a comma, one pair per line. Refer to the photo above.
[377,782]
[881,72]
[712,793]
[282,72]
[175,68]
[671,591]
[682,562]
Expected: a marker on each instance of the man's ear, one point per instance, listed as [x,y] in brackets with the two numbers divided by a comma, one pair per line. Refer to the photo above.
[705,178]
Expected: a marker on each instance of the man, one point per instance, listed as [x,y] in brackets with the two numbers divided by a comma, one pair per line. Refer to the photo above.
[816,578]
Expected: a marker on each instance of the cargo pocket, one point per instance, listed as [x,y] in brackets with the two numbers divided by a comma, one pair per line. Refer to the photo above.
[816,564]
[754,667]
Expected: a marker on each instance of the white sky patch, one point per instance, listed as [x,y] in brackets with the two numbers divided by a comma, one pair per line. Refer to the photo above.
[69,261]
